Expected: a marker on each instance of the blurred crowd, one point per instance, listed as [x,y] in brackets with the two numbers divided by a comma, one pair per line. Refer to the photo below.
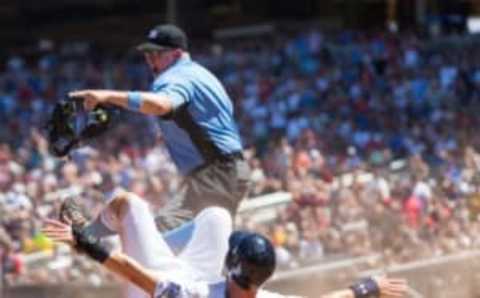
[373,135]
[398,215]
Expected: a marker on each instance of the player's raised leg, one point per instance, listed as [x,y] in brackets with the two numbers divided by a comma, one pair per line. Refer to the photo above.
[202,243]
[130,216]
[207,245]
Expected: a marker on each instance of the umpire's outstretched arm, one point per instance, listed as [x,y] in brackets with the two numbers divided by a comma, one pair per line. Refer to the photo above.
[148,103]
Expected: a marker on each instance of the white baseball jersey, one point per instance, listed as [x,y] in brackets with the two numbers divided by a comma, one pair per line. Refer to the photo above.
[201,290]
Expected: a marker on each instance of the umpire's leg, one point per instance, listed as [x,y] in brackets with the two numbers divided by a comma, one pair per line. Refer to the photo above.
[220,183]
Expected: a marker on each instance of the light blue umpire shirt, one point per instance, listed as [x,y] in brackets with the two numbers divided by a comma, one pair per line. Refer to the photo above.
[201,125]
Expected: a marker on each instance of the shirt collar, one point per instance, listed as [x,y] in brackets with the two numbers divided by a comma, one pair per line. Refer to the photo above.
[184,59]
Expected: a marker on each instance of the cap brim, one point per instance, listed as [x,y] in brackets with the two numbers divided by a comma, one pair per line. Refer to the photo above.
[149,46]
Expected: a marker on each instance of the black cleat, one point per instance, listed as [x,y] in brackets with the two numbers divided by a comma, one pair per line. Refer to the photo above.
[72,212]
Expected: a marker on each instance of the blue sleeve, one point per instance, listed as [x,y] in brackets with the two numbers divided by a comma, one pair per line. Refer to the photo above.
[178,91]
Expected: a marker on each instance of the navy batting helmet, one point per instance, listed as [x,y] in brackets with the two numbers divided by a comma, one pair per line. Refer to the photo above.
[250,259]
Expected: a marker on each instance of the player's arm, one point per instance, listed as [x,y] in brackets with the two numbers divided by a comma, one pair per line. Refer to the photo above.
[148,103]
[372,287]
[116,262]
[131,270]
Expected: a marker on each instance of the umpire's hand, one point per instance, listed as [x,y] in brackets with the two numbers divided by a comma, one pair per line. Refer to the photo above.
[92,98]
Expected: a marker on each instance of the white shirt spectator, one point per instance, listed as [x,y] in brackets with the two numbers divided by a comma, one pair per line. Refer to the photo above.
[422,190]
[16,201]
[284,257]
[381,185]
[310,249]
[257,175]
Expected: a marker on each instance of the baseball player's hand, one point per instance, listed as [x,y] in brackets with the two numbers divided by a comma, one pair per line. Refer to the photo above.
[391,287]
[58,231]
[91,98]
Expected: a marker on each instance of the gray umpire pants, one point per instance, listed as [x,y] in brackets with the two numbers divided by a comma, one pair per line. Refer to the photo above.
[222,183]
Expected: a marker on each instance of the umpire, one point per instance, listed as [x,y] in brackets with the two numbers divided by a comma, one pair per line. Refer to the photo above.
[196,119]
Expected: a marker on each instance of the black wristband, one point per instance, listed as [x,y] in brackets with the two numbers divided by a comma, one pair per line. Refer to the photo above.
[366,288]
[90,245]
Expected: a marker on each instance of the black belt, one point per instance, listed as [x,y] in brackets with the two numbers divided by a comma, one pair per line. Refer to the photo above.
[229,157]
[237,155]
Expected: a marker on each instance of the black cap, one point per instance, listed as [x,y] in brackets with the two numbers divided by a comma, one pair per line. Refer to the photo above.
[165,36]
